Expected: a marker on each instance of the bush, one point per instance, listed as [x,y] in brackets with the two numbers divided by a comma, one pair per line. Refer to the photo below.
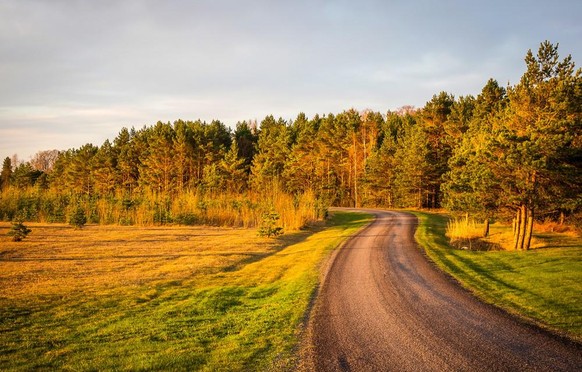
[188,219]
[18,231]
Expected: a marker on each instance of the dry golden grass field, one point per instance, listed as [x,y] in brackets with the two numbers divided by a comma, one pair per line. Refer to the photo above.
[59,260]
[195,298]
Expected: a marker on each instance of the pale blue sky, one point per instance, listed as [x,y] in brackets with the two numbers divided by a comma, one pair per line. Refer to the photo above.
[73,72]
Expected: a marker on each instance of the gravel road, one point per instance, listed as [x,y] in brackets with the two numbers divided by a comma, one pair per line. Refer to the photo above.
[384,307]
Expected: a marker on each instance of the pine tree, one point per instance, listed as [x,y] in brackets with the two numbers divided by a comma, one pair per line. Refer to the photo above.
[128,149]
[58,176]
[78,218]
[157,169]
[441,135]
[104,172]
[24,176]
[184,154]
[537,141]
[6,174]
[470,184]
[247,142]
[18,231]
[412,169]
[78,170]
[299,174]
[273,149]
[232,169]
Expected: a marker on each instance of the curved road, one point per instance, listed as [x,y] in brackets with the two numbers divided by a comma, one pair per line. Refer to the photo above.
[384,307]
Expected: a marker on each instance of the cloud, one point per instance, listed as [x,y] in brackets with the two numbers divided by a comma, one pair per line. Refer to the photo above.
[77,71]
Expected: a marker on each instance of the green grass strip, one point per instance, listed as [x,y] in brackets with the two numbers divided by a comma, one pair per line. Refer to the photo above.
[541,285]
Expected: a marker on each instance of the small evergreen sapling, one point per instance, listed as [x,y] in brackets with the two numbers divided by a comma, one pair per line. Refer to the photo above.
[18,231]
[269,225]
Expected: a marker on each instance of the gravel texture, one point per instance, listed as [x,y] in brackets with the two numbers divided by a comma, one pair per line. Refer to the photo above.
[384,307]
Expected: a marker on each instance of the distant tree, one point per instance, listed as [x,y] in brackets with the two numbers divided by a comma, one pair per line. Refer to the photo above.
[228,174]
[6,174]
[232,168]
[15,160]
[412,168]
[459,118]
[57,177]
[25,176]
[300,169]
[157,169]
[213,179]
[380,173]
[184,154]
[368,141]
[104,170]
[273,149]
[210,142]
[78,170]
[247,139]
[44,160]
[216,141]
[346,141]
[78,218]
[128,149]
[298,126]
[441,135]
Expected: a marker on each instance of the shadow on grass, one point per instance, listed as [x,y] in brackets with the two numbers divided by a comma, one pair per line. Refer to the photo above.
[465,269]
[347,220]
[485,272]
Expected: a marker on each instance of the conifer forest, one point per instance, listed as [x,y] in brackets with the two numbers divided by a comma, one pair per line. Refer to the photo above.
[511,153]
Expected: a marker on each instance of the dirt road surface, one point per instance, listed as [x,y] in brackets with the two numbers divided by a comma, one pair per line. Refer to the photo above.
[384,307]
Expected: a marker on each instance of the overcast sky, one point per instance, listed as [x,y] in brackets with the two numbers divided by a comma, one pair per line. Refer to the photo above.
[76,72]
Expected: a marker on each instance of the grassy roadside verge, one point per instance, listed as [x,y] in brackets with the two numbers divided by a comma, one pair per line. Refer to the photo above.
[542,285]
[165,299]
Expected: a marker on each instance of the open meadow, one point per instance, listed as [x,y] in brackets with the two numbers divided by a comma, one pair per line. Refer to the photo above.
[196,298]
[542,285]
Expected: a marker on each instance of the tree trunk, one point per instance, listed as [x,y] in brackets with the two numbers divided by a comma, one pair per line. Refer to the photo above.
[522,227]
[486,228]
[562,218]
[529,229]
[516,229]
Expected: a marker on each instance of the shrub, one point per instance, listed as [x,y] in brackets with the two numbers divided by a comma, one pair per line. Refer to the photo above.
[18,231]
[269,226]
[188,219]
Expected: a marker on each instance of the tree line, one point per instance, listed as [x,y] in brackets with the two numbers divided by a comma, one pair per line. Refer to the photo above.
[511,152]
